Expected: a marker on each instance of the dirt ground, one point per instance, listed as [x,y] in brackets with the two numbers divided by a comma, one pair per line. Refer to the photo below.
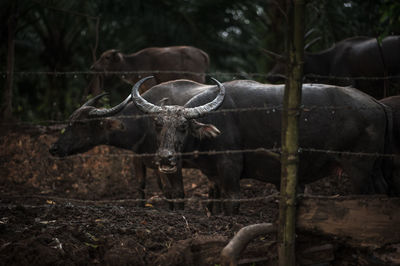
[83,210]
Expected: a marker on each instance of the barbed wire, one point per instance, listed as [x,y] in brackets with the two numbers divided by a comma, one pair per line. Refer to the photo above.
[274,153]
[349,153]
[192,153]
[143,72]
[272,198]
[122,73]
[265,199]
[269,110]
[331,77]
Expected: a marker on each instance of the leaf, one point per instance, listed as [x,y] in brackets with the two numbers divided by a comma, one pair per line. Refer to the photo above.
[92,237]
[47,222]
[91,245]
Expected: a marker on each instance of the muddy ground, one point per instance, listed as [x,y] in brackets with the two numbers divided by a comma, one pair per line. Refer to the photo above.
[83,210]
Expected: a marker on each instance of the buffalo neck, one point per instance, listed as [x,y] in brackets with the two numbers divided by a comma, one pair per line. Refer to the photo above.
[119,139]
[317,63]
[132,61]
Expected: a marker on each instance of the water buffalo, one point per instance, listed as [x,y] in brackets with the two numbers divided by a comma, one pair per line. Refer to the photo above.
[350,60]
[394,103]
[164,63]
[333,118]
[89,126]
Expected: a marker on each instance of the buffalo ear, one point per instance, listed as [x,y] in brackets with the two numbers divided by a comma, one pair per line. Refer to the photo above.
[114,124]
[200,130]
[117,56]
[163,101]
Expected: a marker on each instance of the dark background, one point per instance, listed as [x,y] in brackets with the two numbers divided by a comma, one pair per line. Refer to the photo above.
[60,35]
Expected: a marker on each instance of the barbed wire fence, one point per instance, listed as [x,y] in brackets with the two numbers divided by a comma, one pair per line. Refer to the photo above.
[141,72]
[266,109]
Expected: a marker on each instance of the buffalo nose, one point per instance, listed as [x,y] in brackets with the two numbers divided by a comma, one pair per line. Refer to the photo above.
[167,156]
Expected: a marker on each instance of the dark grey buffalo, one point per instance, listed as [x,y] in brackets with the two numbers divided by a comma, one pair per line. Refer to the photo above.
[394,103]
[334,118]
[164,63]
[356,61]
[89,126]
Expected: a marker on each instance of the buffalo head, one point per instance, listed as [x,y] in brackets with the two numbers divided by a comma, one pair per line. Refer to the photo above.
[87,127]
[277,73]
[111,60]
[173,124]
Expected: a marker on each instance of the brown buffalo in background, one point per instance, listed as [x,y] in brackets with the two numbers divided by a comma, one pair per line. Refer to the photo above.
[164,63]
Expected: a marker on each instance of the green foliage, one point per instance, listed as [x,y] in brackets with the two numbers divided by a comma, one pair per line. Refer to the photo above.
[336,20]
[59,35]
[390,17]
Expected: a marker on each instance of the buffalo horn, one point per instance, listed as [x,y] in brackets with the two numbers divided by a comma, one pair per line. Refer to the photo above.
[275,56]
[104,112]
[198,111]
[308,45]
[93,100]
[140,102]
[107,112]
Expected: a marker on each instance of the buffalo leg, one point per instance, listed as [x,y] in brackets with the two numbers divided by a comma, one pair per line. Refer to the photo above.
[381,177]
[214,193]
[395,179]
[178,190]
[361,175]
[140,175]
[230,170]
[232,194]
[172,188]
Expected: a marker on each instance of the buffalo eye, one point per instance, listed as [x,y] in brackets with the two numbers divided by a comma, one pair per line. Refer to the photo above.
[158,124]
[183,128]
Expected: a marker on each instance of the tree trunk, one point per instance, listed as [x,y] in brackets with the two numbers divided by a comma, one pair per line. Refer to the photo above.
[290,132]
[231,252]
[361,221]
[96,81]
[6,110]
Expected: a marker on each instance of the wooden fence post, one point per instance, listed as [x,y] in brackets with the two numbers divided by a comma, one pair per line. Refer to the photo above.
[290,132]
[6,108]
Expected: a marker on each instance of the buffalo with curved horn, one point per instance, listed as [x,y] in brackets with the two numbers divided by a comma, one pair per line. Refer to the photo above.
[188,113]
[172,121]
[361,130]
[94,117]
[89,126]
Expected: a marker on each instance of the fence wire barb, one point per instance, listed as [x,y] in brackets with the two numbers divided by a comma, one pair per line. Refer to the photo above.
[54,199]
[193,153]
[268,109]
[351,78]
[272,152]
[234,74]
[122,73]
